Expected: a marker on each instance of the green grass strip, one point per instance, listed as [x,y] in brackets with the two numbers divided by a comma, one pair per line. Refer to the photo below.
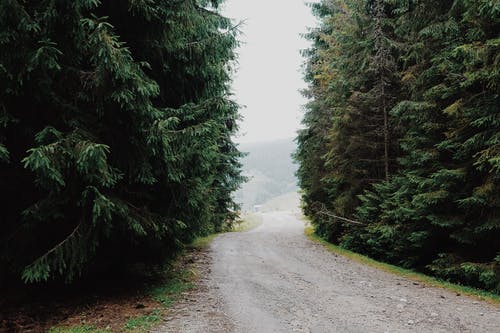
[249,222]
[143,323]
[77,329]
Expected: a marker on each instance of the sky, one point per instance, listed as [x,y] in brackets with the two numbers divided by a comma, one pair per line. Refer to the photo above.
[269,76]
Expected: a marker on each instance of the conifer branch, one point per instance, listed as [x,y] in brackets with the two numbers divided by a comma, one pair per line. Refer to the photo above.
[216,36]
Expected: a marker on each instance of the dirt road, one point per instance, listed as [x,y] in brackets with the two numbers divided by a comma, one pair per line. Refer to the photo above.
[273,279]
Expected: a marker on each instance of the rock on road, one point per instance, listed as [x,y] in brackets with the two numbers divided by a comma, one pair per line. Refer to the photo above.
[273,279]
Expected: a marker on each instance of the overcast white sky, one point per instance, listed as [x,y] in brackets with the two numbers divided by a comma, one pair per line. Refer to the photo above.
[269,77]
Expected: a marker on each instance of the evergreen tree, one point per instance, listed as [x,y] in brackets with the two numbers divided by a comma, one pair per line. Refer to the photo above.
[355,81]
[438,211]
[116,131]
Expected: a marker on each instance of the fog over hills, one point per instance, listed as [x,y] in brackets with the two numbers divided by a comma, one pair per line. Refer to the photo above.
[271,172]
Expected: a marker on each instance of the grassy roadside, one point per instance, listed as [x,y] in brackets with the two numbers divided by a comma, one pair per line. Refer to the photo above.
[157,299]
[181,277]
[406,273]
[248,222]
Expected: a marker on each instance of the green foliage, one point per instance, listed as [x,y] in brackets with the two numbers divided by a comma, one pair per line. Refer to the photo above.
[248,222]
[439,209]
[115,132]
[4,153]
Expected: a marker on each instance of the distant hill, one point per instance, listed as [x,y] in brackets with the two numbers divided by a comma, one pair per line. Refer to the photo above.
[289,202]
[271,172]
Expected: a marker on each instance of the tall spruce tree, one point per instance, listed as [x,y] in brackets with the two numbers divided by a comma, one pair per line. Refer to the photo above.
[353,76]
[439,209]
[116,125]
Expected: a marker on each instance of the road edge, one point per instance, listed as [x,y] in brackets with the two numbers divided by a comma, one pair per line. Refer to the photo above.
[429,281]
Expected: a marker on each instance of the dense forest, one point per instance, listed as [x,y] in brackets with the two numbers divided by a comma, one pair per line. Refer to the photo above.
[402,134]
[116,125]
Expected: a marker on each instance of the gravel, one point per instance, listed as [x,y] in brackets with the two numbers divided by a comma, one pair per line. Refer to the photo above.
[273,279]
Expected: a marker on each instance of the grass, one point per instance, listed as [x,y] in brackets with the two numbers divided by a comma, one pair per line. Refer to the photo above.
[143,323]
[412,275]
[77,329]
[202,242]
[176,282]
[168,293]
[248,223]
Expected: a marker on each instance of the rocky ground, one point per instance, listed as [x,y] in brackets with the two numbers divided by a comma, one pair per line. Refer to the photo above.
[273,279]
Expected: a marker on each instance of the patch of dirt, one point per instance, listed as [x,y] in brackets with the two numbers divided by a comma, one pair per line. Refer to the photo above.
[107,312]
[101,311]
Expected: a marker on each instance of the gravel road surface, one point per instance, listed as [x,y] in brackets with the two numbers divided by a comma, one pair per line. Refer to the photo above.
[273,279]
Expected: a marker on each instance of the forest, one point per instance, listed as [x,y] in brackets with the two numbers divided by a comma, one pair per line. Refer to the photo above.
[121,160]
[399,158]
[116,125]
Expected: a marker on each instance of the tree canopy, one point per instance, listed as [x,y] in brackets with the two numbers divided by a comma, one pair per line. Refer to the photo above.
[402,133]
[115,132]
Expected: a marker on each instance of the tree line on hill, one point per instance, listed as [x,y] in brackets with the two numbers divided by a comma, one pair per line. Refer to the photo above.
[115,133]
[270,172]
[402,134]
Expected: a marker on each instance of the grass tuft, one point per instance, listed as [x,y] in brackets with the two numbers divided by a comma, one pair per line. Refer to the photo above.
[143,323]
[170,292]
[202,242]
[412,275]
[77,329]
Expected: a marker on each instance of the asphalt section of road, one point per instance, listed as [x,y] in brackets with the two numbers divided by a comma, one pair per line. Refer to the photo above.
[273,279]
